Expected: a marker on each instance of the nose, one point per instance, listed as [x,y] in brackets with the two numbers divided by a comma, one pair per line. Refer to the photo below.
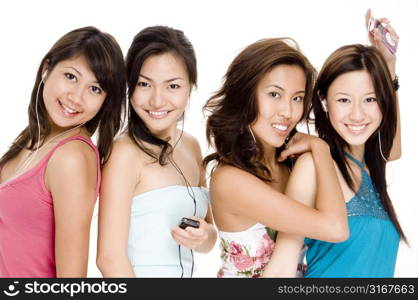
[75,95]
[284,108]
[157,99]
[357,112]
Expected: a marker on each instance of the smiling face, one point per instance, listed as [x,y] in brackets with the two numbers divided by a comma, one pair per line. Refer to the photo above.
[280,95]
[353,109]
[71,94]
[162,93]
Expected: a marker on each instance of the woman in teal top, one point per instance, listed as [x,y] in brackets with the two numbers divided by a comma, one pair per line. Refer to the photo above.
[372,247]
[356,113]
[154,176]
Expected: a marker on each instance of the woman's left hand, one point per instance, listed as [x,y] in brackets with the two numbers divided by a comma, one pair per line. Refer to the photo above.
[376,40]
[193,238]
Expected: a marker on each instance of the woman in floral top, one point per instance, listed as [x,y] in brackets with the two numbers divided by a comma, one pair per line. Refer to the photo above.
[265,94]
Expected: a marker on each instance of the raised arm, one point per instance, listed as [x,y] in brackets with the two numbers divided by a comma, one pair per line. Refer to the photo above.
[390,58]
[243,194]
[71,178]
[120,176]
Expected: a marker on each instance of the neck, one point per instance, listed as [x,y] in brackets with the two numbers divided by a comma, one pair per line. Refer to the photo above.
[172,134]
[357,151]
[269,157]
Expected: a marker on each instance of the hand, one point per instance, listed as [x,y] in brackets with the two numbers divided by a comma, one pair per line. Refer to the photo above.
[191,237]
[376,40]
[299,144]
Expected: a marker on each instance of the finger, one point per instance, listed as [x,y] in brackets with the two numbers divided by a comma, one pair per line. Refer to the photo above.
[393,35]
[384,20]
[180,232]
[367,17]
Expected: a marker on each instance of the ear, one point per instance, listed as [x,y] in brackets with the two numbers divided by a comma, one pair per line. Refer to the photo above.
[324,104]
[45,69]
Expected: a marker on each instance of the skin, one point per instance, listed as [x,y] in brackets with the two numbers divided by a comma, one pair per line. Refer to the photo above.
[240,199]
[351,101]
[71,82]
[163,86]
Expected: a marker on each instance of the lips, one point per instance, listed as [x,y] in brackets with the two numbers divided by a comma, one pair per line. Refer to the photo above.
[67,111]
[158,114]
[356,128]
[281,129]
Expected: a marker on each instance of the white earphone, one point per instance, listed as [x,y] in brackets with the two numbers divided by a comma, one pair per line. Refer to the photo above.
[324,105]
[44,74]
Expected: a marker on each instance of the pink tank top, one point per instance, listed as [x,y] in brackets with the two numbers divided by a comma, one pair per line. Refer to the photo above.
[27,225]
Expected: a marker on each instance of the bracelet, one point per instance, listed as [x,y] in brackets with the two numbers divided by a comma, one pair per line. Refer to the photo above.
[395,83]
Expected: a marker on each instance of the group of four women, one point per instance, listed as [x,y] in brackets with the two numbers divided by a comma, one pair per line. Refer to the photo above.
[274,194]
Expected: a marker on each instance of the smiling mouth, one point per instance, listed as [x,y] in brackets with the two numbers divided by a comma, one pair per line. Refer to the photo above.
[69,112]
[281,129]
[158,114]
[356,129]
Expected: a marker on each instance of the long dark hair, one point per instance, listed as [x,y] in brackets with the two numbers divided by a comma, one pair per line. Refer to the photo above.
[155,40]
[356,58]
[105,59]
[233,107]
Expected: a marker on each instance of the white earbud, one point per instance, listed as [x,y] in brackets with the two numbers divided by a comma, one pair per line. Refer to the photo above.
[324,105]
[44,74]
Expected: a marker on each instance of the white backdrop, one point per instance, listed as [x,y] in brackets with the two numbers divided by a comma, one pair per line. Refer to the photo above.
[218,31]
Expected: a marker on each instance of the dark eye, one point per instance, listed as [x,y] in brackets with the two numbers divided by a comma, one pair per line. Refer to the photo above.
[143,84]
[274,95]
[343,100]
[70,76]
[370,99]
[96,90]
[174,86]
[298,99]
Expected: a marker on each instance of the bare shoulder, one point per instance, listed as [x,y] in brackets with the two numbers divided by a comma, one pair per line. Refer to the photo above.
[191,143]
[72,155]
[228,177]
[126,150]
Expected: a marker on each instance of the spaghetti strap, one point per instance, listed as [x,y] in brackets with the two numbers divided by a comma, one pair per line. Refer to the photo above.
[358,163]
[87,141]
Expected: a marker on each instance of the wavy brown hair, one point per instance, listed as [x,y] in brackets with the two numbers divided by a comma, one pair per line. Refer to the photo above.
[233,108]
[360,58]
[105,59]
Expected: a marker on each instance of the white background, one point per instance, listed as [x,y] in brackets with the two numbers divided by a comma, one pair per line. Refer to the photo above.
[218,31]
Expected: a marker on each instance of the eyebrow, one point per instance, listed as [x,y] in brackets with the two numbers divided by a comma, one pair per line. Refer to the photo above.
[345,94]
[280,88]
[81,75]
[168,80]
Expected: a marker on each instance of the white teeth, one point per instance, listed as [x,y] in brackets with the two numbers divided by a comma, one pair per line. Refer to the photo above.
[356,128]
[280,127]
[67,109]
[158,113]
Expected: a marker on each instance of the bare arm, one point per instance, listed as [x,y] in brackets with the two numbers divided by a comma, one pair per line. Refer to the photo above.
[390,58]
[202,239]
[120,176]
[74,194]
[285,257]
[243,194]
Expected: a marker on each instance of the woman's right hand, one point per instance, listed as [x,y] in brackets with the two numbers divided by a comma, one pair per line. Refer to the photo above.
[301,143]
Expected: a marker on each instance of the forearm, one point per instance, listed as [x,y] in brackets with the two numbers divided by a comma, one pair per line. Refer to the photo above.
[115,266]
[329,197]
[210,241]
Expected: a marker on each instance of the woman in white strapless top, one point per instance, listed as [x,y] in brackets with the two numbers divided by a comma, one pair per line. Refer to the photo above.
[154,176]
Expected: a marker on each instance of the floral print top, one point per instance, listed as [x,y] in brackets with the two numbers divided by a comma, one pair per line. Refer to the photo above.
[246,253]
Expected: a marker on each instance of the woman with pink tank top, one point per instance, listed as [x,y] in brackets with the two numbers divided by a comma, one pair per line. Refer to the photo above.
[50,176]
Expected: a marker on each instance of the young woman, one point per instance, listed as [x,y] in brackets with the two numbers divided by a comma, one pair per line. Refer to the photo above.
[50,176]
[154,176]
[264,96]
[356,112]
